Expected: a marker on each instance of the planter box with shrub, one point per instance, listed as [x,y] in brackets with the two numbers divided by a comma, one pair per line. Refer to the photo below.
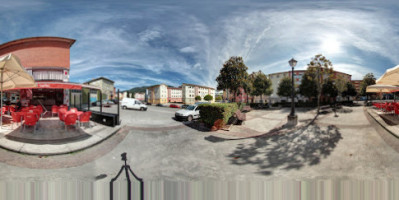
[211,112]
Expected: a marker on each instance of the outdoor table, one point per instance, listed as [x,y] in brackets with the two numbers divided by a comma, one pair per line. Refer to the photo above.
[78,113]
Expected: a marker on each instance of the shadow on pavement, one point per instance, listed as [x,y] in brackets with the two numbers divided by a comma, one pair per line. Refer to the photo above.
[197,125]
[291,150]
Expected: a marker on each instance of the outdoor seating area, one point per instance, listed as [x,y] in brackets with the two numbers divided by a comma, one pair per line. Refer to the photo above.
[388,107]
[32,115]
[72,116]
[32,124]
[388,111]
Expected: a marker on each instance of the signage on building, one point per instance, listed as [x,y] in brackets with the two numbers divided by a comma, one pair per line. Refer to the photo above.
[66,76]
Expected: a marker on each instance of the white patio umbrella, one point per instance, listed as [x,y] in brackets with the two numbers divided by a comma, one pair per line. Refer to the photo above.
[13,75]
[381,88]
[390,77]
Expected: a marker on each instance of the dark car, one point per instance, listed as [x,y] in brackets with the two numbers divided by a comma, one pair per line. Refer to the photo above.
[161,105]
[115,101]
[174,106]
[148,103]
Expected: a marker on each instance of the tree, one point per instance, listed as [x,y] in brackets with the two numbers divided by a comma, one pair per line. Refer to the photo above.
[218,98]
[341,84]
[232,75]
[248,86]
[368,79]
[329,89]
[285,87]
[198,98]
[262,85]
[308,87]
[350,90]
[323,69]
[208,97]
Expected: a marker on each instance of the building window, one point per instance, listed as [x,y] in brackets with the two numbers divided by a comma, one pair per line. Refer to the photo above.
[48,75]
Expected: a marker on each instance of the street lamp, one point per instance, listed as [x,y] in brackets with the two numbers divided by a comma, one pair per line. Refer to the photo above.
[292,118]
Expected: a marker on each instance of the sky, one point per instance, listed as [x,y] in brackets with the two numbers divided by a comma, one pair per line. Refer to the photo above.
[148,42]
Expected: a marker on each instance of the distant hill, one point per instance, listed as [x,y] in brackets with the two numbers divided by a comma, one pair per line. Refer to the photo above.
[137,89]
[140,89]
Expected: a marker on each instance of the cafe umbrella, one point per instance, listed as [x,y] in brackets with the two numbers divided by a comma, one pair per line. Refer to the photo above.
[13,75]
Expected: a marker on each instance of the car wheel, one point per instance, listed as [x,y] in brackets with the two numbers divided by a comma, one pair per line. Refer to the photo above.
[142,109]
[190,118]
[124,107]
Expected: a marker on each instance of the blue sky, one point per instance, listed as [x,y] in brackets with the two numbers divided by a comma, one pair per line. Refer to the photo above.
[139,43]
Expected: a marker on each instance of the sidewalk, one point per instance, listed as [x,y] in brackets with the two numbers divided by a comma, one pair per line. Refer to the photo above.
[50,139]
[262,122]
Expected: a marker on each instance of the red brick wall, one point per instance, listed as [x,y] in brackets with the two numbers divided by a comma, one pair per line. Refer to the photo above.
[40,52]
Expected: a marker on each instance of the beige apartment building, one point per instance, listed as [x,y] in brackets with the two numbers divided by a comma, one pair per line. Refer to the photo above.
[106,85]
[175,94]
[158,94]
[276,77]
[190,91]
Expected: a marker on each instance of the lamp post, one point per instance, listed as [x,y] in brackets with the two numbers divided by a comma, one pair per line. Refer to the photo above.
[292,117]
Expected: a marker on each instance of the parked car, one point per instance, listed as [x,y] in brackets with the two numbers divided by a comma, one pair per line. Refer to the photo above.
[161,105]
[363,98]
[174,106]
[107,102]
[133,104]
[115,101]
[96,103]
[190,113]
[148,103]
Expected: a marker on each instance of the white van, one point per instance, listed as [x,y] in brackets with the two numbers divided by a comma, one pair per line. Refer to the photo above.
[133,104]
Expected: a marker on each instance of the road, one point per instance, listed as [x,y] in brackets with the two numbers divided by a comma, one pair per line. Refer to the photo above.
[154,116]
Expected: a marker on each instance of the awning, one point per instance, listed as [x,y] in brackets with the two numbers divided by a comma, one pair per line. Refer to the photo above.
[59,85]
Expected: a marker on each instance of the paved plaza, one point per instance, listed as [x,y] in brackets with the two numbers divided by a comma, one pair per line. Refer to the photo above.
[344,145]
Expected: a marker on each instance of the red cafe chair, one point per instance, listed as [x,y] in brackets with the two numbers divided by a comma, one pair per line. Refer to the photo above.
[3,110]
[54,110]
[40,108]
[85,118]
[396,110]
[61,114]
[70,119]
[30,119]
[73,110]
[16,118]
[12,109]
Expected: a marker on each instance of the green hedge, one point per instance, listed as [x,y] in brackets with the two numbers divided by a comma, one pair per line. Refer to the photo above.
[211,112]
[241,105]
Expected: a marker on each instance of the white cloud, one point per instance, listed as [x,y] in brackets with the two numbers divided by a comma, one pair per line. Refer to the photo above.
[149,35]
[188,49]
[169,42]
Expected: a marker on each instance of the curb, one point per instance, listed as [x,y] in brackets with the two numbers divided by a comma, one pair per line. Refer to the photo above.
[66,147]
[382,123]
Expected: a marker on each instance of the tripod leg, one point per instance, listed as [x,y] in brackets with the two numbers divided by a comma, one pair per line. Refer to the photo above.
[111,184]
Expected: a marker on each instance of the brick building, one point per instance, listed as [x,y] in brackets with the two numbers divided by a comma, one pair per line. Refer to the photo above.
[47,59]
[357,84]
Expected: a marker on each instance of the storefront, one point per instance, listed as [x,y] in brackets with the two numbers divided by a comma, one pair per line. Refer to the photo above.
[47,59]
